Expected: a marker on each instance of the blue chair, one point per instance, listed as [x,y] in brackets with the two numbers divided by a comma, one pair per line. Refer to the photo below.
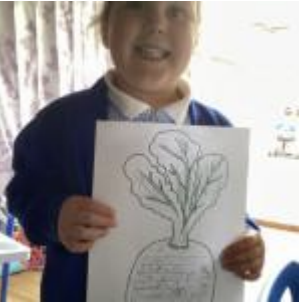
[287,279]
[5,268]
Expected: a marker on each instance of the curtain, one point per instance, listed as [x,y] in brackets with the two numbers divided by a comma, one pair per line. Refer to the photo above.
[47,49]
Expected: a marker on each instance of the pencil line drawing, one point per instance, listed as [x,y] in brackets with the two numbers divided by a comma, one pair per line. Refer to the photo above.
[178,182]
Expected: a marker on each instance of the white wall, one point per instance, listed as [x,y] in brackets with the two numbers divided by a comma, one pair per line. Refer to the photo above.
[247,66]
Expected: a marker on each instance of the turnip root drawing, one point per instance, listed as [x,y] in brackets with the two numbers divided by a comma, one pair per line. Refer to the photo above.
[177,182]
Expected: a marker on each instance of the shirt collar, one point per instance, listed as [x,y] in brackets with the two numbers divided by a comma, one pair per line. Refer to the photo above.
[132,107]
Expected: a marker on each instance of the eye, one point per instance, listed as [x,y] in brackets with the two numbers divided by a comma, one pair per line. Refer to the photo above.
[177,11]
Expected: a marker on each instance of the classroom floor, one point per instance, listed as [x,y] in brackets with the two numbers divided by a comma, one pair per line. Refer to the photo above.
[24,287]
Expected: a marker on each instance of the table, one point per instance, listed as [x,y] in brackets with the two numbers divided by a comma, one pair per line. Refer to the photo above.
[11,250]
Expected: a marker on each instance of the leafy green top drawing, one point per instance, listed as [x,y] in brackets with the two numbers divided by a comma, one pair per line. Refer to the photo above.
[177,181]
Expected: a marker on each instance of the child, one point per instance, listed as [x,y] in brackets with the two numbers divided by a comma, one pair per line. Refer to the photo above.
[150,44]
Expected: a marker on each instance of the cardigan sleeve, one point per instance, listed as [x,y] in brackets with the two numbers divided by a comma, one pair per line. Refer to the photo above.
[35,192]
[53,159]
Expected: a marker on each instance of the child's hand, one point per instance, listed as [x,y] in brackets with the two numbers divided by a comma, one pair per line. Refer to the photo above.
[82,221]
[245,256]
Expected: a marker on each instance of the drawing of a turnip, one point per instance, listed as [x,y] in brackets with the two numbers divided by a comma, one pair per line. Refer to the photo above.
[176,181]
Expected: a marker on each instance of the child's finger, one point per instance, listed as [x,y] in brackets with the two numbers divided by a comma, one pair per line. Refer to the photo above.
[242,245]
[90,234]
[82,239]
[80,246]
[247,273]
[242,256]
[247,248]
[244,267]
[96,220]
[101,208]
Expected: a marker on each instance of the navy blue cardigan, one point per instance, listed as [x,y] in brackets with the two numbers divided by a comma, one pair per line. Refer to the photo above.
[53,159]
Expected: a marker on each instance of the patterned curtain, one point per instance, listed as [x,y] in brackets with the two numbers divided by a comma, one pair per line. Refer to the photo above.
[46,49]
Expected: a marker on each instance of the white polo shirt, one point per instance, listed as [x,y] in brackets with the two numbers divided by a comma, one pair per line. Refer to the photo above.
[126,107]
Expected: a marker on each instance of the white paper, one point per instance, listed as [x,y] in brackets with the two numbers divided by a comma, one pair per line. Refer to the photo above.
[179,193]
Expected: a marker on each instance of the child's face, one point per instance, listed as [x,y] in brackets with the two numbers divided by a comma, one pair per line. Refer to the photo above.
[150,43]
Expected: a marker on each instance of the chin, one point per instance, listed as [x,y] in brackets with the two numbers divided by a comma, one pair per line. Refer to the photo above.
[154,83]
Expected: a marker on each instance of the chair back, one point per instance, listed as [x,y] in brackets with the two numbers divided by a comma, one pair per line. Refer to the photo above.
[5,267]
[286,281]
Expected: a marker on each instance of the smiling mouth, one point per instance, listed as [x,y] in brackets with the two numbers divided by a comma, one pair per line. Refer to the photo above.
[152,53]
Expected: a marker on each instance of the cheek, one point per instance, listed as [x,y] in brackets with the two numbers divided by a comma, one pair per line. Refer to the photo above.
[183,41]
[183,52]
[119,46]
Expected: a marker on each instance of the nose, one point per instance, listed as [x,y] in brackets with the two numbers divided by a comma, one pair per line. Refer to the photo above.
[156,19]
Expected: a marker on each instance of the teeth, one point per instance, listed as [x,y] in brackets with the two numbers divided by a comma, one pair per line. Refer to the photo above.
[152,53]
